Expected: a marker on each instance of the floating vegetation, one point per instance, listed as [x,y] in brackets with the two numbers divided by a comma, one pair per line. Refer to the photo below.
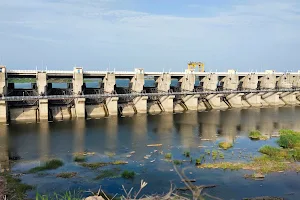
[186,154]
[200,160]
[94,165]
[119,162]
[109,154]
[207,151]
[128,174]
[66,174]
[177,162]
[214,154]
[52,164]
[256,135]
[103,164]
[85,153]
[168,156]
[255,176]
[225,145]
[154,145]
[110,173]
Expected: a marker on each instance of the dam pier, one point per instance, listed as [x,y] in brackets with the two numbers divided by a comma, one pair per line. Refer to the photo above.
[61,95]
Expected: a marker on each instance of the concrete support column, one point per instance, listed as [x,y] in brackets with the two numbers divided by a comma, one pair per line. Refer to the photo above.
[137,86]
[3,92]
[43,109]
[112,105]
[272,98]
[3,111]
[289,98]
[215,102]
[80,107]
[41,81]
[188,84]
[284,82]
[250,82]
[268,81]
[163,82]
[231,81]
[235,100]
[42,90]
[3,81]
[109,82]
[252,99]
[166,103]
[77,90]
[210,82]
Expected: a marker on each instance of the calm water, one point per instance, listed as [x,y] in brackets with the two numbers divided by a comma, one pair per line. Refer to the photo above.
[35,143]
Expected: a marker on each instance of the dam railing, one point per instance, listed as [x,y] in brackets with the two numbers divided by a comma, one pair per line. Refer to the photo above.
[108,95]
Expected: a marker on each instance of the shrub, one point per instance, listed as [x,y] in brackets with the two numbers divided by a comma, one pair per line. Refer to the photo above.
[52,164]
[225,145]
[289,139]
[128,174]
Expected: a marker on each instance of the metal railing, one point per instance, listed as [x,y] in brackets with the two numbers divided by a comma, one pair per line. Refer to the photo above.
[130,95]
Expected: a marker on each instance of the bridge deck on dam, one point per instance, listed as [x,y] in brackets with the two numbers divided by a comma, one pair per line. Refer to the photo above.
[168,92]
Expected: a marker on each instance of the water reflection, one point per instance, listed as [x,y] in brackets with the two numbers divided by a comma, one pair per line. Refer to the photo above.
[45,140]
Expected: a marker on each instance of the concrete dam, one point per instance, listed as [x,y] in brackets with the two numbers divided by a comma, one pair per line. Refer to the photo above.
[46,99]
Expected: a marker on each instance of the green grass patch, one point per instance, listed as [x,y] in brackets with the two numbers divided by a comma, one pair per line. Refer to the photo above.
[66,174]
[110,173]
[52,164]
[128,174]
[79,158]
[119,162]
[66,196]
[289,139]
[168,156]
[207,151]
[94,165]
[256,135]
[109,154]
[15,189]
[225,145]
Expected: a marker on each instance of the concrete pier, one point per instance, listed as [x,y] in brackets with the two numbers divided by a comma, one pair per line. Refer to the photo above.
[216,91]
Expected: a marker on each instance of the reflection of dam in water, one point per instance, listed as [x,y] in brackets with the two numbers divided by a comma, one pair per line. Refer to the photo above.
[116,134]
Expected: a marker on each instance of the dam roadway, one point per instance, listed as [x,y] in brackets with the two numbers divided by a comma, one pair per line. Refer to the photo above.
[171,92]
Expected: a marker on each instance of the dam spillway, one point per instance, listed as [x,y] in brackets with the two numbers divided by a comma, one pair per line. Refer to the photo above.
[169,92]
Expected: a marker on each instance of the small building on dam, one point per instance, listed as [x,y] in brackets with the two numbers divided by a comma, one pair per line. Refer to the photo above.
[58,95]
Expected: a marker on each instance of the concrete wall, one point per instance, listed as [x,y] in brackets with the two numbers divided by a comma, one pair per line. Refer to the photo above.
[61,112]
[210,82]
[95,111]
[41,82]
[188,81]
[163,82]
[109,82]
[3,111]
[250,82]
[3,81]
[23,114]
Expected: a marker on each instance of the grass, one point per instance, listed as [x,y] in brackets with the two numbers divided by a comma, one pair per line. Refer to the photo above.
[79,158]
[119,162]
[256,135]
[110,154]
[66,174]
[168,156]
[110,173]
[289,139]
[52,164]
[103,164]
[225,145]
[200,160]
[214,154]
[66,196]
[128,174]
[186,154]
[207,151]
[94,165]
[15,189]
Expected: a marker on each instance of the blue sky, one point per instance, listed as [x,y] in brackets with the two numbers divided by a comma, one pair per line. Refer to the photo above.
[150,34]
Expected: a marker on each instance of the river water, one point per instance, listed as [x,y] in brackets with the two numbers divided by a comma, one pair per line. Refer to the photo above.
[34,143]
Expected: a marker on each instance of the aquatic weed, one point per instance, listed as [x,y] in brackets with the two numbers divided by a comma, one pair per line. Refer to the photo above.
[128,174]
[52,164]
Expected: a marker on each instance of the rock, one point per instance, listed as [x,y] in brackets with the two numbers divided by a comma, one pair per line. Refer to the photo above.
[94,198]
